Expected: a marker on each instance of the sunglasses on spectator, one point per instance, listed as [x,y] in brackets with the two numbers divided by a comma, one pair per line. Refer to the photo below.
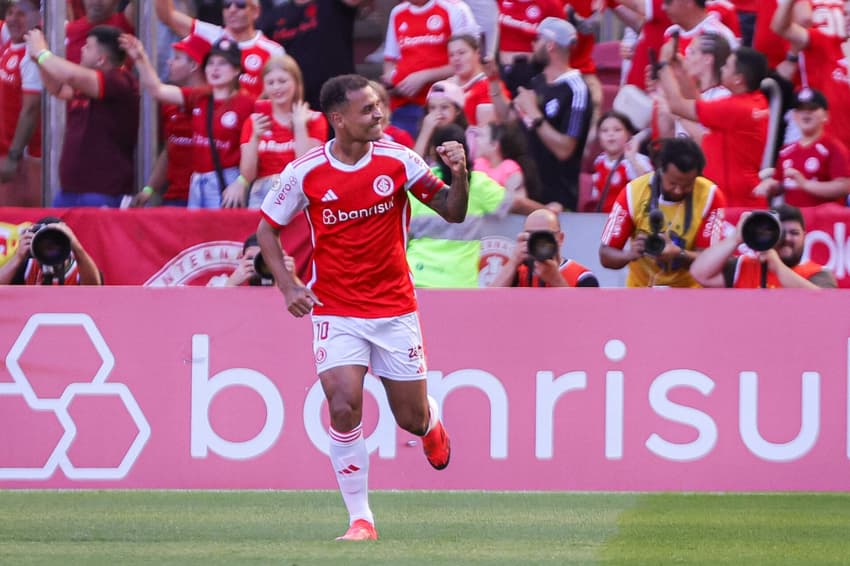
[240,4]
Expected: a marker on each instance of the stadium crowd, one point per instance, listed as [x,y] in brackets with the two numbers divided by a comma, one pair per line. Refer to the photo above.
[702,105]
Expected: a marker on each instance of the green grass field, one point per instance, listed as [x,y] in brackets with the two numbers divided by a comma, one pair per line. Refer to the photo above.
[163,527]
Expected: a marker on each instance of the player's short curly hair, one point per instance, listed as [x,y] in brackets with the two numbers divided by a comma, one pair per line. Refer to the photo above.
[335,91]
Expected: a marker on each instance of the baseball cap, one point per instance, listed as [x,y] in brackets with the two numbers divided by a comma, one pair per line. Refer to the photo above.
[810,99]
[195,46]
[447,89]
[227,48]
[558,30]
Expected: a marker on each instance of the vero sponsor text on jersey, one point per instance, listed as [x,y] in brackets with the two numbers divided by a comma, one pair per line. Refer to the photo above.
[282,188]
[330,216]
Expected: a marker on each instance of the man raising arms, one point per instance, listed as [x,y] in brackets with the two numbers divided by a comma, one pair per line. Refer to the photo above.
[354,189]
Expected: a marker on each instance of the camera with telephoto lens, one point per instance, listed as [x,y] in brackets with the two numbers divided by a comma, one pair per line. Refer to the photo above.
[50,245]
[655,243]
[761,230]
[542,245]
[263,275]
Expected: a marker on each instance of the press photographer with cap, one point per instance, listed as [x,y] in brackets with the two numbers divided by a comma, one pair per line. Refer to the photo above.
[780,265]
[49,253]
[250,269]
[536,260]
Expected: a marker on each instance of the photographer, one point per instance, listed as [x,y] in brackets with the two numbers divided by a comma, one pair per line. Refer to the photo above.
[536,260]
[251,269]
[779,266]
[667,216]
[54,257]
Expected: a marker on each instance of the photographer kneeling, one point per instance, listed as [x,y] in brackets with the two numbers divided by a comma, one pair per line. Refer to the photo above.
[49,253]
[778,237]
[250,270]
[536,260]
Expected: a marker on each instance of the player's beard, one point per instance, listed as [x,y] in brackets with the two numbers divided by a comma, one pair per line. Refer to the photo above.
[372,136]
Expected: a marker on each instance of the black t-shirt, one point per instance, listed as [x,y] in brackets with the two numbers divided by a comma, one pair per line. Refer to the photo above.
[567,107]
[319,34]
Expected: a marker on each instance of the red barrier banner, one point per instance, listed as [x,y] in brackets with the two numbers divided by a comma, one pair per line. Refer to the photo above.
[159,247]
[544,389]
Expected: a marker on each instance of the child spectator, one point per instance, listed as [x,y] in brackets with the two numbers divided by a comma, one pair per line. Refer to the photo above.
[496,142]
[219,110]
[815,169]
[444,105]
[282,129]
[619,163]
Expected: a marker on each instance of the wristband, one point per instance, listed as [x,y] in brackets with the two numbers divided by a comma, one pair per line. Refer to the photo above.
[147,190]
[537,122]
[43,56]
[243,180]
[792,57]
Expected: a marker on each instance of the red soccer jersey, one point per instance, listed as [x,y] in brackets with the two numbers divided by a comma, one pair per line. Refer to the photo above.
[478,92]
[518,21]
[358,216]
[727,13]
[277,148]
[396,134]
[774,46]
[603,168]
[747,5]
[581,55]
[228,117]
[824,160]
[823,67]
[734,144]
[418,38]
[651,37]
[18,75]
[711,24]
[829,16]
[177,132]
[255,52]
[77,31]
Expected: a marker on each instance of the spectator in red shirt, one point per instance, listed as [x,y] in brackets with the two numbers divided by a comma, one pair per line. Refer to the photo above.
[282,129]
[97,13]
[444,105]
[469,74]
[823,63]
[737,125]
[98,153]
[173,168]
[219,110]
[815,169]
[416,53]
[239,18]
[20,111]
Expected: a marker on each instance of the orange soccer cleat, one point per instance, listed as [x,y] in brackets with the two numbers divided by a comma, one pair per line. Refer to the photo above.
[361,529]
[437,447]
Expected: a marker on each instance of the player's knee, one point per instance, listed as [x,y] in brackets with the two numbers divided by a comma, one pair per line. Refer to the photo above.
[344,415]
[414,423]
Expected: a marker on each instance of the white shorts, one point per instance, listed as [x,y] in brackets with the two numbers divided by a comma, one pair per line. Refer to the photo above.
[391,346]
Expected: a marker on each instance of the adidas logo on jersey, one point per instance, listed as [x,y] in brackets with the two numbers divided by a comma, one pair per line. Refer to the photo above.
[330,196]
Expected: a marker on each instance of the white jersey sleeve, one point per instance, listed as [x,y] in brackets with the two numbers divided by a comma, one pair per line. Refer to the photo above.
[392,50]
[30,77]
[210,32]
[461,19]
[286,198]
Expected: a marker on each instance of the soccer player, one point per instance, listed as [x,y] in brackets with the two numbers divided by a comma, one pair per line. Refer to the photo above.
[354,189]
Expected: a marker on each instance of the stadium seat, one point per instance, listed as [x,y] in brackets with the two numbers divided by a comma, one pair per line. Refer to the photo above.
[606,54]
